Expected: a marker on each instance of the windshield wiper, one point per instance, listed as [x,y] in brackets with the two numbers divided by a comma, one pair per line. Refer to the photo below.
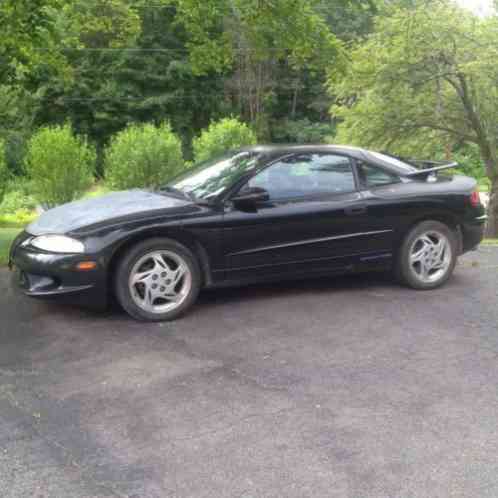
[177,192]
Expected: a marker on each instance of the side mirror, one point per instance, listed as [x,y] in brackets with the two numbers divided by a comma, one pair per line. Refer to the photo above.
[250,197]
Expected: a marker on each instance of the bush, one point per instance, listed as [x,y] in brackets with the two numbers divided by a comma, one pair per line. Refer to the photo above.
[222,136]
[59,164]
[15,200]
[3,171]
[142,156]
[19,219]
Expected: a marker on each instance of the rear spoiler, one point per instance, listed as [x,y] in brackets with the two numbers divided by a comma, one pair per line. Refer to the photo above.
[434,167]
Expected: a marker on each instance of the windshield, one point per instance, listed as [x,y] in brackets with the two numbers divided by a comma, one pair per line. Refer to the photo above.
[401,166]
[210,178]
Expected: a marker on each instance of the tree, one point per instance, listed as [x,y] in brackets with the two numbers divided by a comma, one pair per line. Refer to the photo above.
[252,38]
[29,37]
[125,77]
[3,170]
[17,111]
[425,79]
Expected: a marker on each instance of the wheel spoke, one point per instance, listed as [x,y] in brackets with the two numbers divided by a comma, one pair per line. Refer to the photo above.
[177,274]
[424,269]
[172,297]
[426,240]
[417,256]
[141,277]
[159,262]
[149,298]
[440,249]
[438,265]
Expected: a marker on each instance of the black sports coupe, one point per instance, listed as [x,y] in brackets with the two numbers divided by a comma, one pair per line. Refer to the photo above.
[256,214]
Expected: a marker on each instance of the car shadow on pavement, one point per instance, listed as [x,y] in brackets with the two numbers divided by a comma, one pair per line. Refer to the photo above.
[293,287]
[263,292]
[231,298]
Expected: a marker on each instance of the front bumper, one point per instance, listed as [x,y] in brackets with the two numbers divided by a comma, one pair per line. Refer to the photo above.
[44,275]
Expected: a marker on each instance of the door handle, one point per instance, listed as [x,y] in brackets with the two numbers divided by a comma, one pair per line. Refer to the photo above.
[356,210]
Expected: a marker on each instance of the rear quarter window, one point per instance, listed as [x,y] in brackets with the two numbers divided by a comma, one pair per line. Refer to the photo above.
[371,176]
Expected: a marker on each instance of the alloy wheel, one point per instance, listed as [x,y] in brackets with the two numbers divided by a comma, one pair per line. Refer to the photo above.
[160,281]
[430,256]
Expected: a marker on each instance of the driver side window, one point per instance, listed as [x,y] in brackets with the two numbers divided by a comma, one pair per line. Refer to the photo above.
[305,175]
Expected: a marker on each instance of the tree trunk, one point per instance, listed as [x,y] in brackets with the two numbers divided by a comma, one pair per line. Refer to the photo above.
[492,224]
[294,100]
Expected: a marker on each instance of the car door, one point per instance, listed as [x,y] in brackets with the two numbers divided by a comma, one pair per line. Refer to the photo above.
[312,221]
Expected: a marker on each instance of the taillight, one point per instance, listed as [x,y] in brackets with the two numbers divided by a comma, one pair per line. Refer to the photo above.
[475,200]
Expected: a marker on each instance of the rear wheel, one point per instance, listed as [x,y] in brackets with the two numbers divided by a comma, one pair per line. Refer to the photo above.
[428,255]
[157,280]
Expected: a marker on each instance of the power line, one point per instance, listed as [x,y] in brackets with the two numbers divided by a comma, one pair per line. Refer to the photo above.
[135,49]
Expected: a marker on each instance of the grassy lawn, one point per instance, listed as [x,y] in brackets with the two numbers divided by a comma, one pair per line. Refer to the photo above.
[7,235]
[490,242]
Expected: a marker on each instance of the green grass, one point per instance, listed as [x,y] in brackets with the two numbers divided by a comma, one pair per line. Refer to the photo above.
[7,235]
[490,242]
[19,219]
[483,185]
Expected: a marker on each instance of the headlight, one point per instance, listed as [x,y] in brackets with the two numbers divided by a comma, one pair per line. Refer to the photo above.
[58,243]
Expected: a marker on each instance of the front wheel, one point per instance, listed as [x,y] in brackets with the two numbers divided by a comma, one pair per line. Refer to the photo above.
[428,255]
[157,280]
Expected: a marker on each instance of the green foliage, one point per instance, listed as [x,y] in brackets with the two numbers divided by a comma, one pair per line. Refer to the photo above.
[98,190]
[303,131]
[143,156]
[3,171]
[16,200]
[151,81]
[19,219]
[17,109]
[7,236]
[221,136]
[265,50]
[425,81]
[421,82]
[17,196]
[470,161]
[27,25]
[283,28]
[59,164]
[101,23]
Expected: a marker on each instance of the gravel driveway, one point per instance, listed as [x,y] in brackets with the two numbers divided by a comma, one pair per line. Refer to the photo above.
[347,388]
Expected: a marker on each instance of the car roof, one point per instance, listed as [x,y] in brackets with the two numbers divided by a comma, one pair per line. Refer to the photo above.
[356,152]
[289,149]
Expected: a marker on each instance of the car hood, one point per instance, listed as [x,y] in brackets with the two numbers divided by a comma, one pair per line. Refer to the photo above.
[75,215]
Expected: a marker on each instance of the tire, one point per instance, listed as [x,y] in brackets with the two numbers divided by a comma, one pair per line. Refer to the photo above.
[419,264]
[149,290]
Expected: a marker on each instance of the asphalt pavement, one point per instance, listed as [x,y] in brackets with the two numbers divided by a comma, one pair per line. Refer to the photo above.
[347,387]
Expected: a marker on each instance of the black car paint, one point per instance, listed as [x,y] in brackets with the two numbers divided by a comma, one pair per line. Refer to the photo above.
[317,235]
